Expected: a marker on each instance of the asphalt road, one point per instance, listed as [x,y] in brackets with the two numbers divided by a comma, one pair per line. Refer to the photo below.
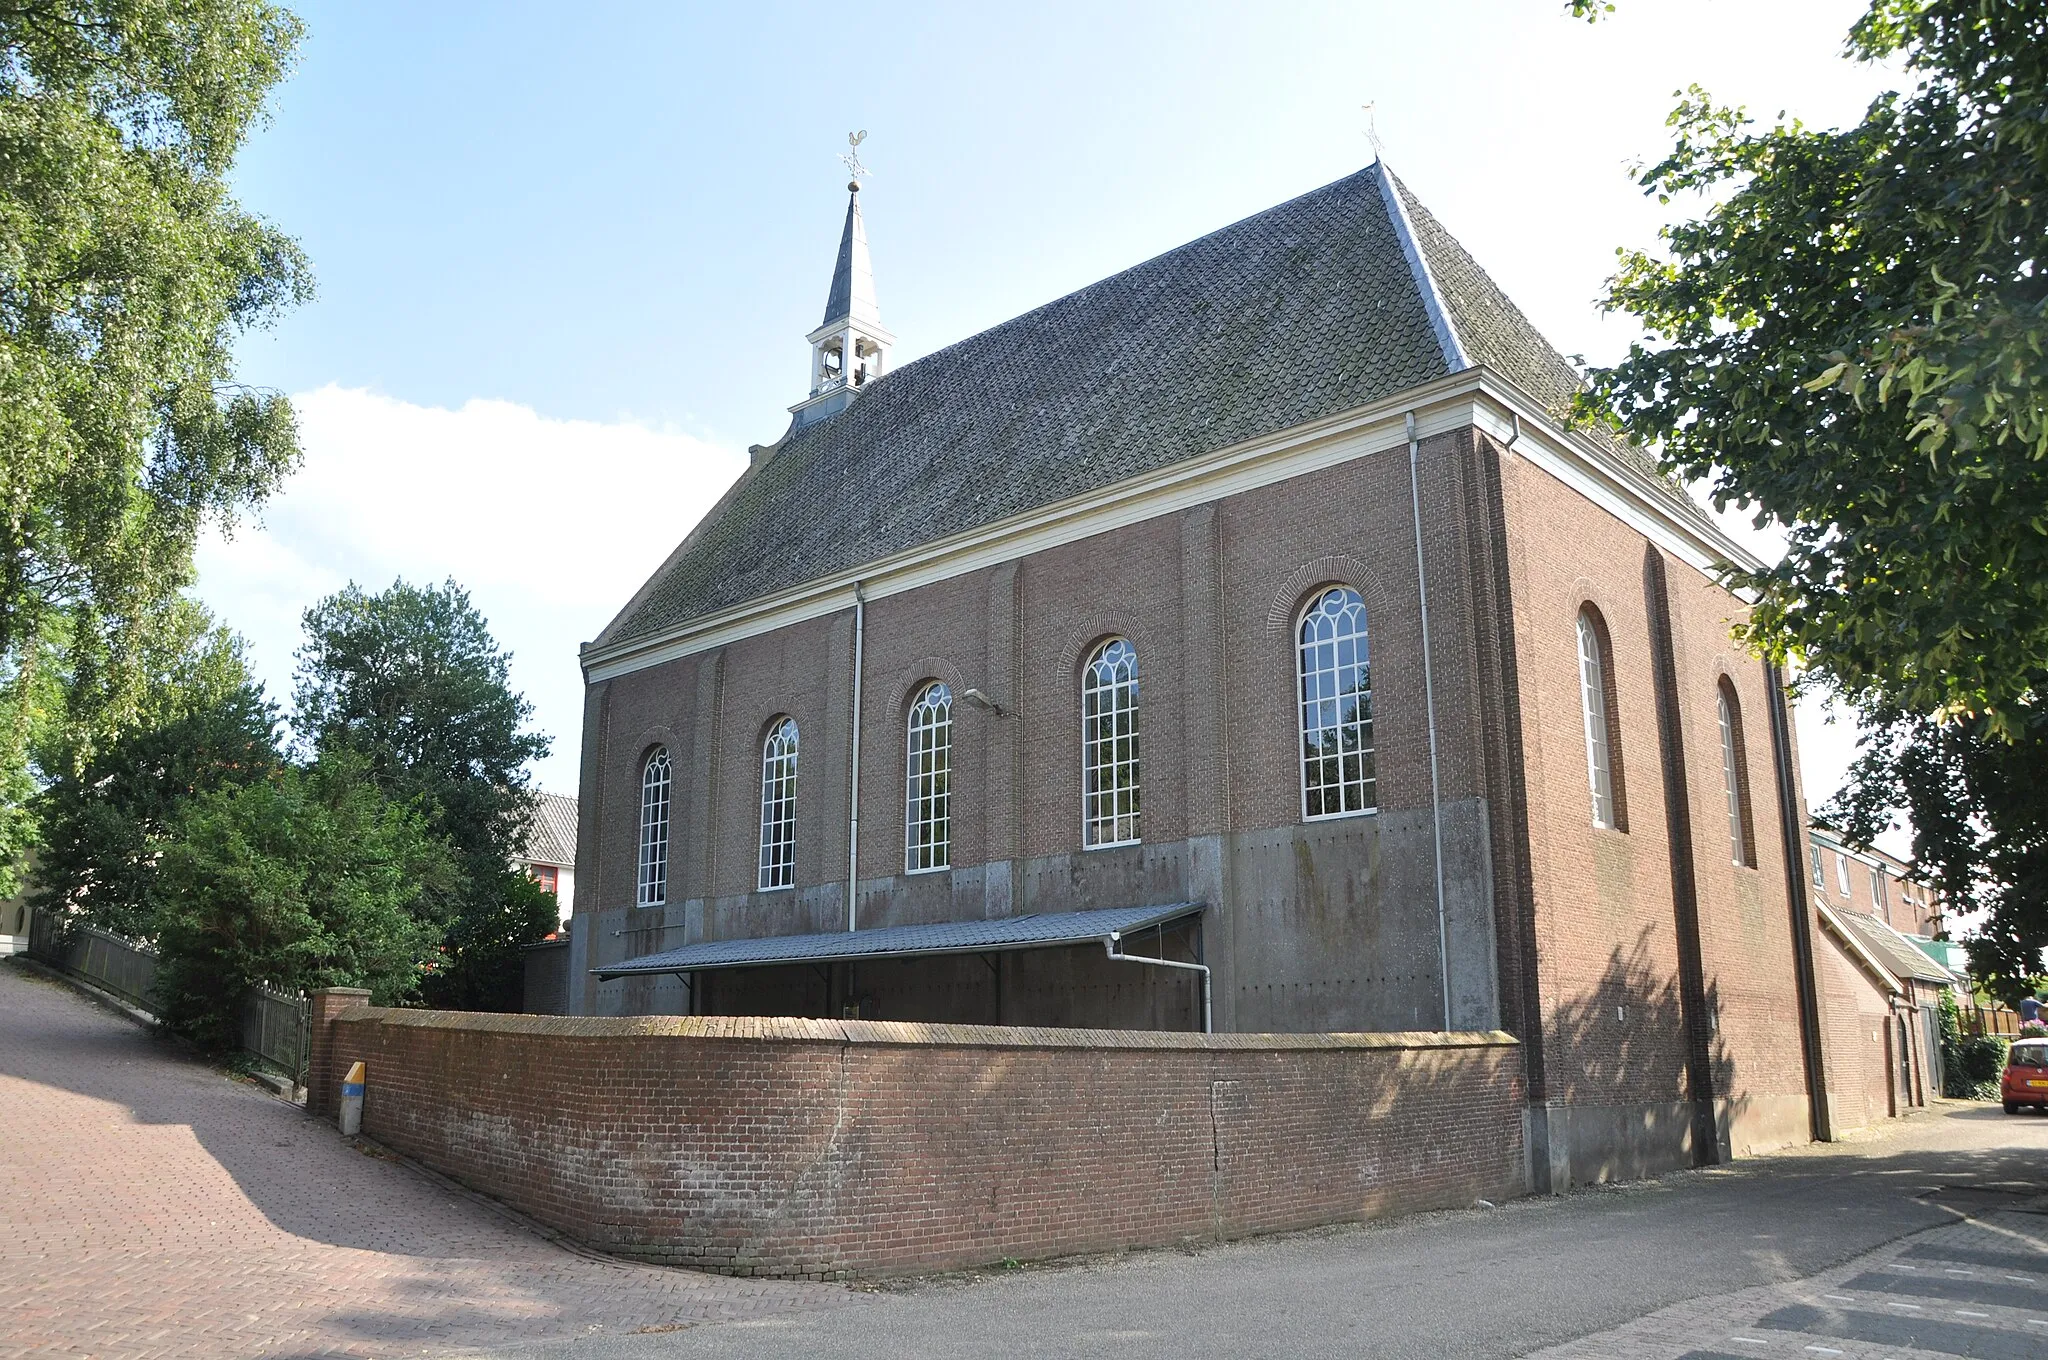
[1500,1282]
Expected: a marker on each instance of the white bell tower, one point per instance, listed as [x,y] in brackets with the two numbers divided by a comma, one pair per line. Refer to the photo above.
[850,348]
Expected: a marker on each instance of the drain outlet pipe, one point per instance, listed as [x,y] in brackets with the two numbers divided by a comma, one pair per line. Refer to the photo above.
[1112,945]
[1436,802]
[860,626]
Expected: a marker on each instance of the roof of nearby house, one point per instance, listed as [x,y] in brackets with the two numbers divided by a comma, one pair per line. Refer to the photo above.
[1897,954]
[1344,296]
[551,839]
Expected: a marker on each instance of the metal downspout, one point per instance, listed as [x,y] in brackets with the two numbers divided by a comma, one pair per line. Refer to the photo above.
[1436,803]
[860,622]
[1110,946]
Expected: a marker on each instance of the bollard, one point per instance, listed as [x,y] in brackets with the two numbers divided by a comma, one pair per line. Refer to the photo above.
[352,1102]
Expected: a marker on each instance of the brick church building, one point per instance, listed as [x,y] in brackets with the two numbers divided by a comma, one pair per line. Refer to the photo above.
[1244,641]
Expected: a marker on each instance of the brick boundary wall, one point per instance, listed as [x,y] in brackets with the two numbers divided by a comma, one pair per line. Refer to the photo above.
[827,1149]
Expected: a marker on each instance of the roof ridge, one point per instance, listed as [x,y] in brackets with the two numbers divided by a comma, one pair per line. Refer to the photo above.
[1425,281]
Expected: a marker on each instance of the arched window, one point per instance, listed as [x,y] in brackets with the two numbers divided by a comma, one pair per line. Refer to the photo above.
[1109,745]
[928,781]
[654,786]
[778,805]
[1735,779]
[1337,775]
[1603,728]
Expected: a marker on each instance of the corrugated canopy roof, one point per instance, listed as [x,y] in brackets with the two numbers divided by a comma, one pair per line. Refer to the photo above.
[897,942]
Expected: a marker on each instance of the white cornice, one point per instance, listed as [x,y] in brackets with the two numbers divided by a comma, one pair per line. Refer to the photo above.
[1471,397]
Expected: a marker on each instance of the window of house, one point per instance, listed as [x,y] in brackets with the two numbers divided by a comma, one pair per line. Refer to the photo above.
[1109,745]
[1337,772]
[1842,873]
[546,875]
[778,806]
[654,804]
[1603,735]
[1735,779]
[928,781]
[1820,873]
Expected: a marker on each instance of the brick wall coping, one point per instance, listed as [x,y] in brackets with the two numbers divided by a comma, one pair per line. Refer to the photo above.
[900,1033]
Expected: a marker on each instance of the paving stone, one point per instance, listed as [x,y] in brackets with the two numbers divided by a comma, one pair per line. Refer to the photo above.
[150,1206]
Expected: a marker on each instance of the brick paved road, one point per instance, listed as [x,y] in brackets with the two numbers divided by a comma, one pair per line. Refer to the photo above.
[151,1207]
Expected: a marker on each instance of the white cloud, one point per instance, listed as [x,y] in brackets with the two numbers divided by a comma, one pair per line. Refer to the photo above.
[550,524]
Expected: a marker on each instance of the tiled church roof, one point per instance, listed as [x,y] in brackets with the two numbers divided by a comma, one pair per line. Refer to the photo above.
[1300,312]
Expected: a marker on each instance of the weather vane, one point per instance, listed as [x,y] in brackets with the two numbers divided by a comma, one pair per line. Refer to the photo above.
[851,159]
[1372,131]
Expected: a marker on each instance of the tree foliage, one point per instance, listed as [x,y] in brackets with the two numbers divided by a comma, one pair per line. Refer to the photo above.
[411,682]
[308,878]
[127,269]
[1978,804]
[106,827]
[1851,340]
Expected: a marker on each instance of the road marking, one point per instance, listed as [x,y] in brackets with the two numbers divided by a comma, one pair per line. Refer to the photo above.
[1964,1312]
[1824,1350]
[1901,1303]
[2037,1322]
[1900,1265]
[1839,1298]
[1749,1341]
[1951,1270]
[2023,1279]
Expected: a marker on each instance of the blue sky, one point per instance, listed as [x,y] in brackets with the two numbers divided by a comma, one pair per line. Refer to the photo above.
[567,255]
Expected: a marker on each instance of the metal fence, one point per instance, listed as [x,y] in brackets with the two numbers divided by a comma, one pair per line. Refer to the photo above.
[274,1024]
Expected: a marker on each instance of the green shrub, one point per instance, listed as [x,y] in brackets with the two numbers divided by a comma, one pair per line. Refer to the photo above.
[1983,1058]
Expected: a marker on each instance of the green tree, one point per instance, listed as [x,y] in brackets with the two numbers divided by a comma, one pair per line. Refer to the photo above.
[411,681]
[1978,805]
[1851,340]
[309,878]
[127,269]
[105,829]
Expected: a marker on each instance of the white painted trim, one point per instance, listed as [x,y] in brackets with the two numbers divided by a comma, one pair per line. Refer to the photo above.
[1475,396]
[1425,282]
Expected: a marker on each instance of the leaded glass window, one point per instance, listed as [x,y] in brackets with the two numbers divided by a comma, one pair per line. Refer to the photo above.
[1337,775]
[1593,708]
[928,781]
[1735,780]
[654,805]
[1109,745]
[778,806]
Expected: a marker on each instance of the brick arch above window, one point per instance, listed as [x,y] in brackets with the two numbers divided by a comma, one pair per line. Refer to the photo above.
[908,681]
[1311,578]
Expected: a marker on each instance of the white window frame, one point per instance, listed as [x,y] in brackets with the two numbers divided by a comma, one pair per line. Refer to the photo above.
[1820,870]
[1731,781]
[1842,875]
[928,781]
[1593,709]
[778,807]
[1109,746]
[656,789]
[1333,638]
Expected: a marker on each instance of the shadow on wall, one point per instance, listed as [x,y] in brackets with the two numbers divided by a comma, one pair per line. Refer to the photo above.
[1618,1062]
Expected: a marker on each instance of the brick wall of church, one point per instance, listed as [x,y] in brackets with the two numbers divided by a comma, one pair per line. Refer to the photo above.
[1329,925]
[1606,925]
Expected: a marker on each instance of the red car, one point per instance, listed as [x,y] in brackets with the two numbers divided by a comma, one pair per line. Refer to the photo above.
[2026,1076]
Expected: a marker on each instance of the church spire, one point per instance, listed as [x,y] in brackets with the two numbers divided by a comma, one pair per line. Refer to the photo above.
[849,348]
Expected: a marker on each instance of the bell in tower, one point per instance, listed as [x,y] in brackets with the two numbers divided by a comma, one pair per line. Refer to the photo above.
[850,348]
